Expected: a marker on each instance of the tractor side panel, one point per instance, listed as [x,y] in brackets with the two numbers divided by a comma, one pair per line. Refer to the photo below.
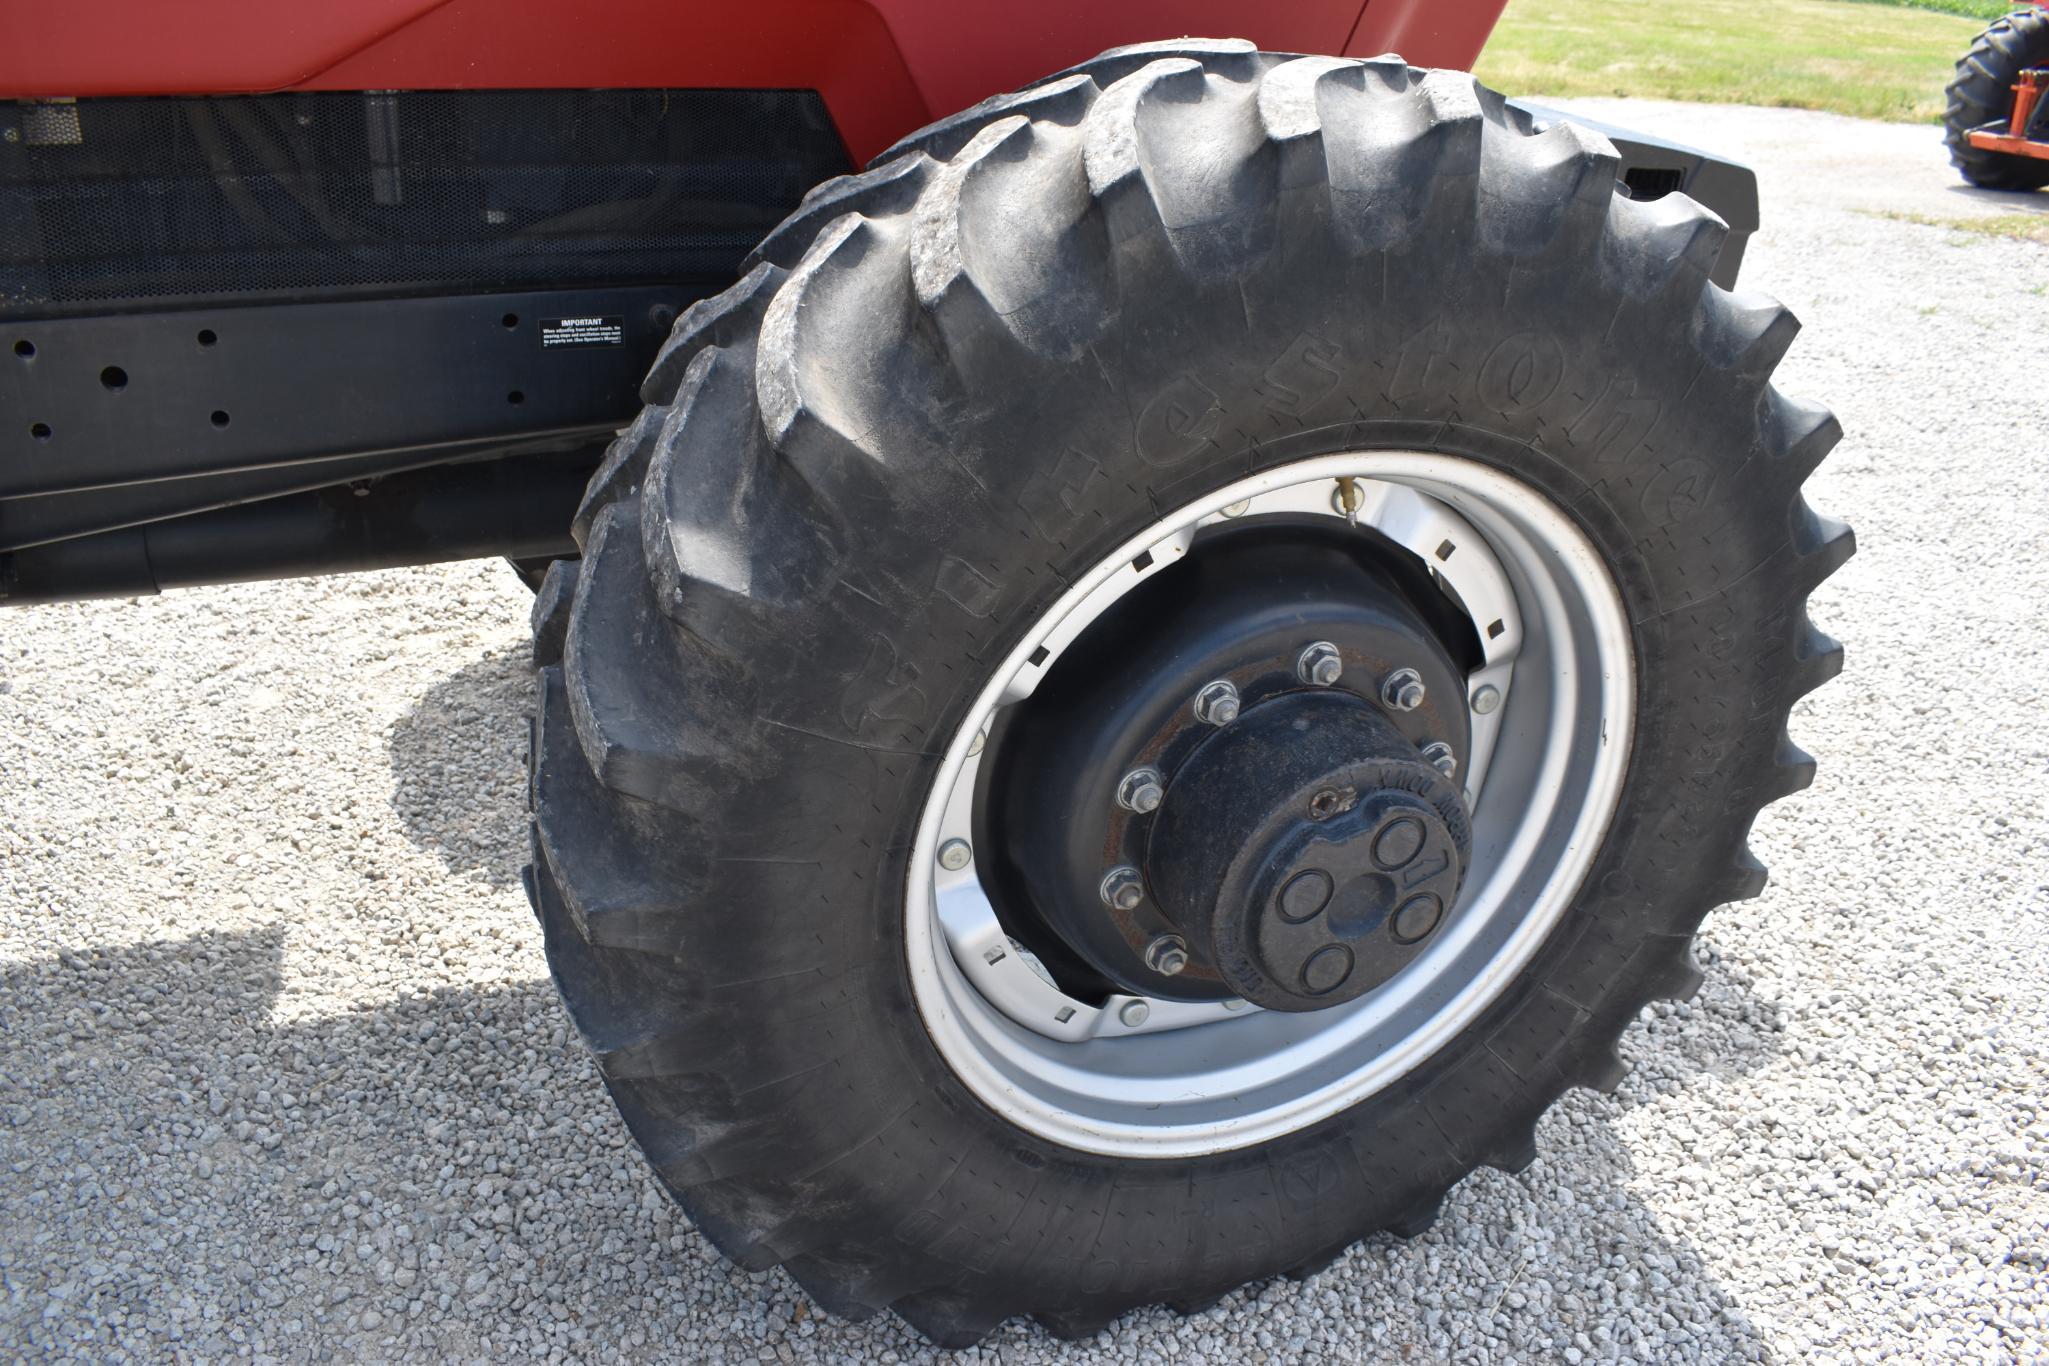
[883,68]
[1427,32]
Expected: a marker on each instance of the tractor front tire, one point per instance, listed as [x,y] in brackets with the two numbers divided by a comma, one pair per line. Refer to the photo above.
[947,391]
[1982,93]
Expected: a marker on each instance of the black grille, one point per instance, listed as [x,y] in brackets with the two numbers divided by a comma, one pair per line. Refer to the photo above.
[122,201]
[1653,182]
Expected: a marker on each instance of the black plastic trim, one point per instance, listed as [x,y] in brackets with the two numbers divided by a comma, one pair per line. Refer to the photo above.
[1727,187]
[517,508]
[116,421]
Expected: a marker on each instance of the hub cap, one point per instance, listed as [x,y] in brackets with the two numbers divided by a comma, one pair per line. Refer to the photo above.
[1174,680]
[1326,868]
[1309,850]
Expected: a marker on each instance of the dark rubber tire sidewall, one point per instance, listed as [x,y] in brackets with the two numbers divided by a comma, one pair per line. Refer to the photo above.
[1525,319]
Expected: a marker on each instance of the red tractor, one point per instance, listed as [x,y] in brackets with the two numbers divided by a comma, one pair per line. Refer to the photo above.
[1125,695]
[1997,125]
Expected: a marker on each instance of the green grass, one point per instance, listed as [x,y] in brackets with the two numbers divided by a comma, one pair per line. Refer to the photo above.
[1870,60]
[1974,9]
[2012,227]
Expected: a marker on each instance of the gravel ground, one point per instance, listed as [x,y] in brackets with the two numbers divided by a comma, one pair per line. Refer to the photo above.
[282,1074]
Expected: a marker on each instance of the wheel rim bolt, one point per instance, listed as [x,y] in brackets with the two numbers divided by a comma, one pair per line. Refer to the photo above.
[1236,509]
[1134,1013]
[1402,690]
[955,855]
[1122,888]
[1217,703]
[975,745]
[1441,758]
[1486,698]
[1167,954]
[1320,665]
[1141,791]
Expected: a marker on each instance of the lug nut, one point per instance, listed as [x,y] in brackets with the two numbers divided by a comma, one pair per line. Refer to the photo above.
[1440,756]
[1134,1013]
[1122,888]
[1217,703]
[975,745]
[1486,698]
[955,855]
[1320,665]
[1167,955]
[1402,690]
[1236,509]
[1141,791]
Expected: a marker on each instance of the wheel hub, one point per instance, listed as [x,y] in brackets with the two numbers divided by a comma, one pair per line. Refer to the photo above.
[1256,666]
[1308,850]
[1162,1057]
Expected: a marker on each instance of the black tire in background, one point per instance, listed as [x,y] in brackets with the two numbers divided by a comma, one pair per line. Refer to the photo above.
[952,383]
[1982,93]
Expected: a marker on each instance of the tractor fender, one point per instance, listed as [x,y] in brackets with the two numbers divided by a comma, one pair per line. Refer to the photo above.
[1653,167]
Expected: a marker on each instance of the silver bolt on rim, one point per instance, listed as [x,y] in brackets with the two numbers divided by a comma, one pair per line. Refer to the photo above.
[1135,1077]
[1217,703]
[1141,791]
[1320,665]
[1402,690]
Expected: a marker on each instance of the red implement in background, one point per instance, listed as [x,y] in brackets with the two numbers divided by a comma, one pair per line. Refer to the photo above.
[883,68]
[2027,93]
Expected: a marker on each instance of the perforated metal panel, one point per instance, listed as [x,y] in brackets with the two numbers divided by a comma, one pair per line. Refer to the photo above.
[110,202]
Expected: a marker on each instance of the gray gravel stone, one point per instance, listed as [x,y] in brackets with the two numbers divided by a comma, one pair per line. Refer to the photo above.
[282,1077]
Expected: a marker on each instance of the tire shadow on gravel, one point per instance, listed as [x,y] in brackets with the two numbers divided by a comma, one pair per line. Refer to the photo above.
[1728,1030]
[443,1175]
[1525,1250]
[458,765]
[437,1177]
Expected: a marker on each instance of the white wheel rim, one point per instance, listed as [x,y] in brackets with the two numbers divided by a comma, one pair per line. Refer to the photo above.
[1544,776]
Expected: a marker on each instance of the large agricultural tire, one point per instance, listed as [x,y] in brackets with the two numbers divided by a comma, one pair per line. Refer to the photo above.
[1982,93]
[948,391]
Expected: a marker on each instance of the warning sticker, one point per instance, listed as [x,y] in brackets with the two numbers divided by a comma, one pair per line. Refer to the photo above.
[560,332]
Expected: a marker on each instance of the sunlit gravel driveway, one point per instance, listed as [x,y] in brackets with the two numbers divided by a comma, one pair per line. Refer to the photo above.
[281,1073]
